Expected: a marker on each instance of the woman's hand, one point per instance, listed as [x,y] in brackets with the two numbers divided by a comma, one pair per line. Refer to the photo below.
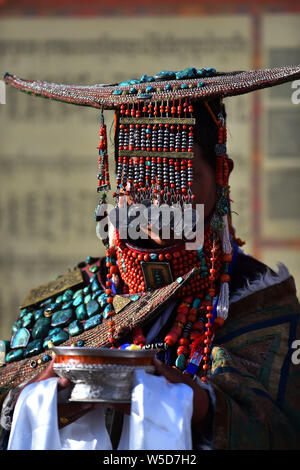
[200,400]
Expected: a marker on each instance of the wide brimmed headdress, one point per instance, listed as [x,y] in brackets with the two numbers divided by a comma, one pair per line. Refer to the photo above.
[154,135]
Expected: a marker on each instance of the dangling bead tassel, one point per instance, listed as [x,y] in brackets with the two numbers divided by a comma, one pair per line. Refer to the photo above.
[223,302]
[103,169]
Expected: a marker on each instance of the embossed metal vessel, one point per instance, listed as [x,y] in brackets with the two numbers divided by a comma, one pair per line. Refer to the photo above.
[101,374]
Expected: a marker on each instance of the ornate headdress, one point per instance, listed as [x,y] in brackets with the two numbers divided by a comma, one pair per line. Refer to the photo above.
[154,132]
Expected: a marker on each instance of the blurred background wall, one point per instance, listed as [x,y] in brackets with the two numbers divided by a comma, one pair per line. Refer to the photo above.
[48,156]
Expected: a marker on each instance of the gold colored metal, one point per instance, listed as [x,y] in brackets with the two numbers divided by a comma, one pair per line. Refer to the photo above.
[120,302]
[71,279]
[157,120]
[149,271]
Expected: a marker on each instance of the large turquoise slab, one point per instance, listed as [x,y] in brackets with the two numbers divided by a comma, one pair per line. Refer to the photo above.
[93,321]
[80,312]
[33,348]
[92,308]
[20,339]
[75,328]
[15,355]
[60,337]
[62,317]
[41,328]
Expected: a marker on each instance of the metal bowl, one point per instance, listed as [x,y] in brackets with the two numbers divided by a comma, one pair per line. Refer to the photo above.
[101,374]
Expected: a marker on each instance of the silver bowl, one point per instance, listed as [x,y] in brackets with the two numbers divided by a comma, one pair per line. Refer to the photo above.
[101,374]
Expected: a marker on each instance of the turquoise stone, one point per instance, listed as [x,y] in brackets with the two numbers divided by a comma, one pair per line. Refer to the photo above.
[80,343]
[20,339]
[28,320]
[200,84]
[179,280]
[46,302]
[180,362]
[184,86]
[33,348]
[95,285]
[75,328]
[15,355]
[133,91]
[78,300]
[106,311]
[94,268]
[23,312]
[87,298]
[59,337]
[78,292]
[67,305]
[190,72]
[134,297]
[168,87]
[4,347]
[166,75]
[68,294]
[92,322]
[102,300]
[129,82]
[117,92]
[59,299]
[150,89]
[87,289]
[16,326]
[153,256]
[81,312]
[62,317]
[146,79]
[41,328]
[96,294]
[39,313]
[46,358]
[92,307]
[196,303]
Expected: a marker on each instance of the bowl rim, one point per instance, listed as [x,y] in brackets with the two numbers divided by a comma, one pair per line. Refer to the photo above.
[104,352]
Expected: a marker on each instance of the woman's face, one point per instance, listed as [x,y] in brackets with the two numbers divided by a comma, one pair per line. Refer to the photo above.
[204,184]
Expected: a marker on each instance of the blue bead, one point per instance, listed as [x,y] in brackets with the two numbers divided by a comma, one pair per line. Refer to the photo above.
[168,87]
[184,85]
[133,91]
[153,256]
[117,92]
[200,84]
[150,89]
